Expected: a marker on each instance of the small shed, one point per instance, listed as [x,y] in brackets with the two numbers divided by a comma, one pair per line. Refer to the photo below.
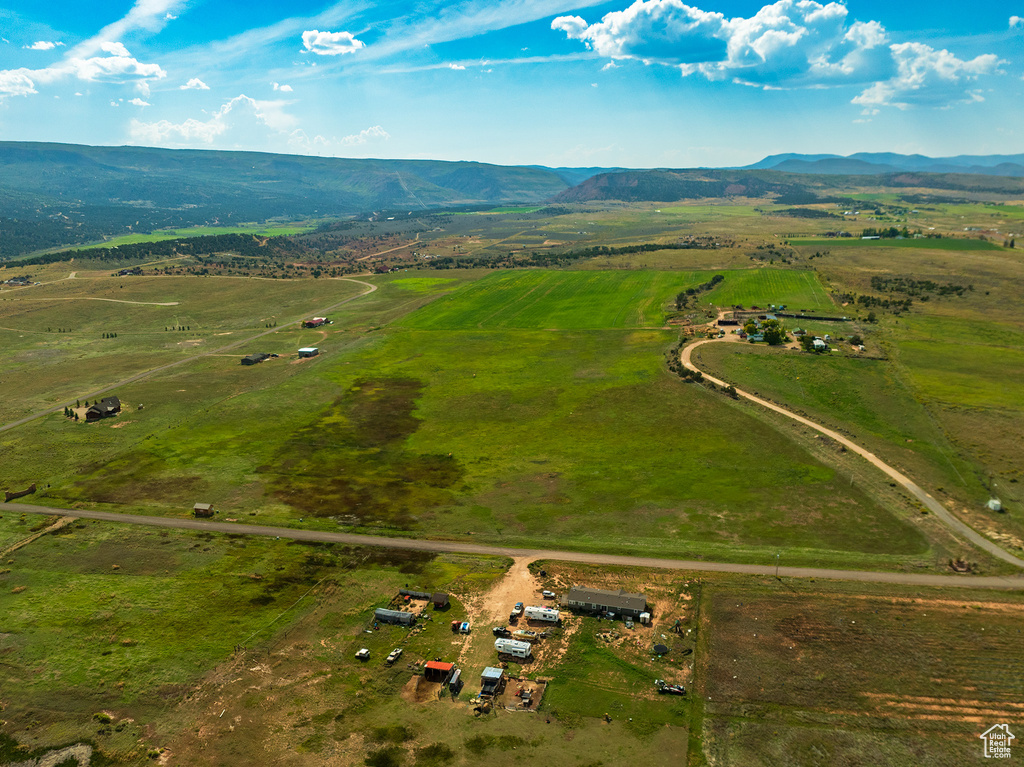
[440,600]
[254,359]
[308,351]
[436,671]
[492,681]
[819,345]
[203,510]
[394,616]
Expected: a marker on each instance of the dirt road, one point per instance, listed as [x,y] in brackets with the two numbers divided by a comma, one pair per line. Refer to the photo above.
[957,527]
[528,555]
[168,366]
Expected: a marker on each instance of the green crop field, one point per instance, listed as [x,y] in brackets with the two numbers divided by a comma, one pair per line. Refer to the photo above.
[795,289]
[563,300]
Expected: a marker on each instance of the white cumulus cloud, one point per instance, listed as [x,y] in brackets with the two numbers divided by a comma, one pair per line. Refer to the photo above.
[364,136]
[787,44]
[456,66]
[139,102]
[929,77]
[242,122]
[16,82]
[1016,21]
[282,88]
[195,84]
[43,45]
[330,43]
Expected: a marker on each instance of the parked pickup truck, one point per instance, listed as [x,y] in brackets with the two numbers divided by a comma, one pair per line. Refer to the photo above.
[395,655]
[363,654]
[501,631]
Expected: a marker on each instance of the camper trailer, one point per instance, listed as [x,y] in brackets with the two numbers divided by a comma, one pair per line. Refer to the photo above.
[548,614]
[513,648]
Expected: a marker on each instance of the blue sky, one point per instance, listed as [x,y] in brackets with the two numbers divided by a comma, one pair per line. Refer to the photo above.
[652,83]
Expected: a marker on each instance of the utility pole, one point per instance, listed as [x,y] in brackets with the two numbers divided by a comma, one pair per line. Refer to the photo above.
[777,555]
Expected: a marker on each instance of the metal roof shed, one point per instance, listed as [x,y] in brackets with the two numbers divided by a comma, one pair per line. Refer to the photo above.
[394,616]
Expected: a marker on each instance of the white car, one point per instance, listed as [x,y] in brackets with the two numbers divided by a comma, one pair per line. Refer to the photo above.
[363,654]
[395,655]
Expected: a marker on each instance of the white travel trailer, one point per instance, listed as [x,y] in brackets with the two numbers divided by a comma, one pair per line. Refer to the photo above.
[548,614]
[513,648]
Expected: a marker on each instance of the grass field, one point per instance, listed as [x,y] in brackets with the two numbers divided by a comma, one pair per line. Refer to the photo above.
[52,344]
[260,230]
[795,289]
[863,397]
[560,300]
[944,243]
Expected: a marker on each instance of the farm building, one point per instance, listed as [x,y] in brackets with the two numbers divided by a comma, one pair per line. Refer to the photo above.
[106,407]
[513,648]
[440,600]
[315,322]
[203,510]
[413,594]
[548,614]
[254,359]
[436,671]
[618,602]
[492,681]
[394,616]
[308,351]
[819,345]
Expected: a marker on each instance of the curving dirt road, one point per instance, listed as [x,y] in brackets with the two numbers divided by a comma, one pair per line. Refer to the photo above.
[955,525]
[169,365]
[1006,583]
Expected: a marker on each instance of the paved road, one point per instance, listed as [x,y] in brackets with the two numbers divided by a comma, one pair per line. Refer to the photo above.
[957,527]
[459,547]
[169,365]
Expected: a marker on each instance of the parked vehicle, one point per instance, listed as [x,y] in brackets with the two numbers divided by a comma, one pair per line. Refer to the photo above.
[548,594]
[460,627]
[501,631]
[518,609]
[363,654]
[395,655]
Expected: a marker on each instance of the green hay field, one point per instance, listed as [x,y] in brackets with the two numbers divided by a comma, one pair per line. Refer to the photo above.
[795,289]
[558,300]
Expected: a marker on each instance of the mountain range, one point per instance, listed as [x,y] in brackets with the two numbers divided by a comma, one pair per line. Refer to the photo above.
[875,163]
[58,195]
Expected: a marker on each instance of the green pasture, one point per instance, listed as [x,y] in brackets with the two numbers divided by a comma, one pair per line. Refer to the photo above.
[52,344]
[945,243]
[557,300]
[518,437]
[863,397]
[971,375]
[749,287]
[260,230]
